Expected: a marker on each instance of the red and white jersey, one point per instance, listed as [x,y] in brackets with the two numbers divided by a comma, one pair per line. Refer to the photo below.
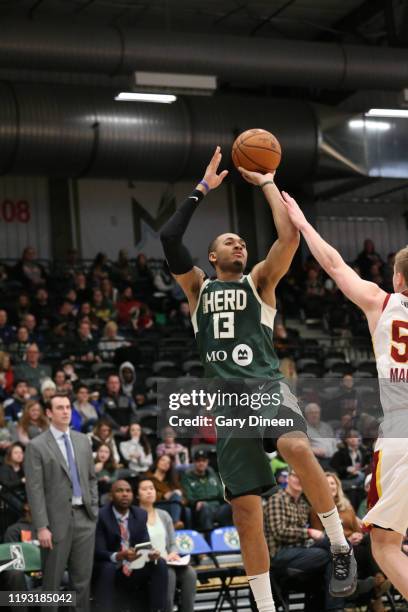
[390,342]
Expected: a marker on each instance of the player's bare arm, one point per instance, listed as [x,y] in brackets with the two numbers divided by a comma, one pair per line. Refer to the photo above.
[189,277]
[366,295]
[267,273]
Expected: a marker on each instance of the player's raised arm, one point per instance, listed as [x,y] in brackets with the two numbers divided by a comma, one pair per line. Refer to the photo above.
[368,296]
[269,271]
[189,277]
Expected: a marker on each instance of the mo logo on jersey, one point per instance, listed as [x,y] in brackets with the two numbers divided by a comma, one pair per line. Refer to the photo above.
[242,355]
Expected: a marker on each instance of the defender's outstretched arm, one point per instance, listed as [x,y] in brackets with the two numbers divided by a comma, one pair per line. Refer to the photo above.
[368,296]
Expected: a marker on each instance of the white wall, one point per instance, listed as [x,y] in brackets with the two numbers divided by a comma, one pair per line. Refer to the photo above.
[107,212]
[346,225]
[24,216]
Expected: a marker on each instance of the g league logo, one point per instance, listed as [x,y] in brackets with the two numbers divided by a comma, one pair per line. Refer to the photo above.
[242,355]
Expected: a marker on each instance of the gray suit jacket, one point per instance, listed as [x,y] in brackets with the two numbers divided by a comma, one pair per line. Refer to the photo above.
[49,486]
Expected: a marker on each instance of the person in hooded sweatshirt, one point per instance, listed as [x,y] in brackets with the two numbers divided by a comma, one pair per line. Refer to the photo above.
[128,379]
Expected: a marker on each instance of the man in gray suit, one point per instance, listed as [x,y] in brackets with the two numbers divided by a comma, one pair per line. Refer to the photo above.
[63,497]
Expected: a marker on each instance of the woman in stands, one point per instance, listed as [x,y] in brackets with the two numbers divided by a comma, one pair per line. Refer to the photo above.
[367,567]
[12,478]
[162,537]
[137,451]
[169,492]
[32,422]
[106,470]
[102,434]
[6,434]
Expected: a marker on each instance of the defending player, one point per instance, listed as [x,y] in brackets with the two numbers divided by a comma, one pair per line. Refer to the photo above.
[387,316]
[235,310]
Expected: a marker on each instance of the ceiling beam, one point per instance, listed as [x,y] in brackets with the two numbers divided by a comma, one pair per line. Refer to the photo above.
[350,23]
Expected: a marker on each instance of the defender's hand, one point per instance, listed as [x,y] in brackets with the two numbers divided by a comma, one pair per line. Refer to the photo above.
[294,211]
[256,178]
[211,177]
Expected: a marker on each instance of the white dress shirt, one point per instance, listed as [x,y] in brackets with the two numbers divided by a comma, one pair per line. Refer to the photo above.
[59,438]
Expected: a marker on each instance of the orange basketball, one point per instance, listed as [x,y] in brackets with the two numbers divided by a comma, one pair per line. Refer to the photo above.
[256,150]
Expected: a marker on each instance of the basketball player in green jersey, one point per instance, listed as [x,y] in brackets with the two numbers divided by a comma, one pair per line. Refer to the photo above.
[233,319]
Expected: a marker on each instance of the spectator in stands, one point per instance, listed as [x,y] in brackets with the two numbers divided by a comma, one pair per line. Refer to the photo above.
[292,543]
[6,375]
[127,307]
[83,346]
[22,308]
[60,380]
[168,488]
[163,538]
[128,380]
[113,554]
[6,433]
[367,567]
[116,407]
[351,460]
[142,268]
[142,319]
[13,479]
[81,287]
[7,331]
[42,309]
[35,336]
[388,273]
[313,294]
[102,308]
[70,266]
[346,425]
[32,423]
[205,494]
[285,343]
[48,389]
[175,450]
[18,348]
[348,398]
[102,434]
[109,292]
[14,405]
[100,269]
[367,258]
[181,317]
[106,470]
[288,369]
[31,369]
[321,435]
[65,318]
[84,413]
[123,271]
[137,451]
[29,272]
[110,342]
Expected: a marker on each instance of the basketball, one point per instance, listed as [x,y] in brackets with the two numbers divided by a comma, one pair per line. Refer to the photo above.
[256,150]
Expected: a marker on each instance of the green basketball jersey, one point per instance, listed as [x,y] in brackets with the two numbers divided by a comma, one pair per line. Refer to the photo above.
[234,331]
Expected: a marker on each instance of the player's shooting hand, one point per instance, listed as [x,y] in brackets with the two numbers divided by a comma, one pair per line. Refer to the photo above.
[45,538]
[211,177]
[294,211]
[256,178]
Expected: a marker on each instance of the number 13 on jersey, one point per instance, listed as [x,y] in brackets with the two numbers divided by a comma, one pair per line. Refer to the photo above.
[224,325]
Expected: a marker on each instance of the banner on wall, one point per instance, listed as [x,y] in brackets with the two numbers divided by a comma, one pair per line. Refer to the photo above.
[24,216]
[116,215]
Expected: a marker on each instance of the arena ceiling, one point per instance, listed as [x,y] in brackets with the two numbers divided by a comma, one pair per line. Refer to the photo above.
[366,23]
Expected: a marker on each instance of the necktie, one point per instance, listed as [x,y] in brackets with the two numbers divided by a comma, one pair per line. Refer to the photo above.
[124,536]
[73,468]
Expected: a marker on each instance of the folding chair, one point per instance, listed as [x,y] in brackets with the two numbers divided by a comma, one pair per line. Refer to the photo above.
[225,541]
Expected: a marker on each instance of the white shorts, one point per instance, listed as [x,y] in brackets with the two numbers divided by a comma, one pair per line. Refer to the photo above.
[388,495]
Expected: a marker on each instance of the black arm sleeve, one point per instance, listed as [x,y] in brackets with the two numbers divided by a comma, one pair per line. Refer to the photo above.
[177,255]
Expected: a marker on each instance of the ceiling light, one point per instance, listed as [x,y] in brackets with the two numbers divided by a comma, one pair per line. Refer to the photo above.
[128,96]
[379,126]
[387,112]
[204,84]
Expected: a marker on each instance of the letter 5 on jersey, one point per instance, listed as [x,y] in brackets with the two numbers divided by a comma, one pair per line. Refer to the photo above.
[234,330]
